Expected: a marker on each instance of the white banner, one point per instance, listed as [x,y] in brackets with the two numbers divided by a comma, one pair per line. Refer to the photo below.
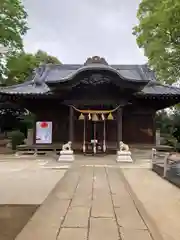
[44,132]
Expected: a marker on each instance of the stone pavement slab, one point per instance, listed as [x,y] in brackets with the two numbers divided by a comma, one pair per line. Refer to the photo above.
[134,234]
[73,233]
[102,208]
[102,202]
[103,228]
[129,218]
[77,217]
[81,201]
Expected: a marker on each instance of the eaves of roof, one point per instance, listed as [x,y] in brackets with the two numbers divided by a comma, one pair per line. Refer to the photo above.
[155,89]
[27,88]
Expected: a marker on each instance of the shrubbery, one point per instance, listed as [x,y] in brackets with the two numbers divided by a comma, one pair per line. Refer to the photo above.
[169,125]
[17,138]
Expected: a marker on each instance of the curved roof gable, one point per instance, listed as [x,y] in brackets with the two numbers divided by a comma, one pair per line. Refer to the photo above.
[66,72]
[58,74]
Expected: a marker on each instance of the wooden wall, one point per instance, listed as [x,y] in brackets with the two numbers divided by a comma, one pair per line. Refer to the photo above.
[137,126]
[60,122]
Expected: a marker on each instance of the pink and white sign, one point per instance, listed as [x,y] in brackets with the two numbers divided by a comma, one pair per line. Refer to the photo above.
[44,132]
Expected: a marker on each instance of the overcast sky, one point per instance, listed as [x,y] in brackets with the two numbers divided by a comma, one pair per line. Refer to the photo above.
[73,30]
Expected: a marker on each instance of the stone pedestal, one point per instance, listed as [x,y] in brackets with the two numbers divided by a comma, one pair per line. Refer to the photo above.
[124,156]
[66,156]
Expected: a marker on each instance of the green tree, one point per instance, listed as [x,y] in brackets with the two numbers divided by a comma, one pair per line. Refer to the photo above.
[43,57]
[13,25]
[158,33]
[20,66]
[164,122]
[169,125]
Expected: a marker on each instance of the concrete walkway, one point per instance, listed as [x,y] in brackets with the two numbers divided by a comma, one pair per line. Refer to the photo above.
[24,185]
[27,182]
[161,200]
[88,203]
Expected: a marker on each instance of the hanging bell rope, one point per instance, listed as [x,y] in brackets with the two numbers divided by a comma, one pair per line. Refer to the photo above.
[110,117]
[95,118]
[81,117]
[89,116]
[102,117]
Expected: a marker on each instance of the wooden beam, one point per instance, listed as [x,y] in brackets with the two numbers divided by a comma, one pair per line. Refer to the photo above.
[119,125]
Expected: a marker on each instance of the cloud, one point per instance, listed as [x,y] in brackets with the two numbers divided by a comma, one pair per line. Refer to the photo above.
[73,30]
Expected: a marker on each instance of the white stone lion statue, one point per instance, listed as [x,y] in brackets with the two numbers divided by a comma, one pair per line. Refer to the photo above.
[123,147]
[67,146]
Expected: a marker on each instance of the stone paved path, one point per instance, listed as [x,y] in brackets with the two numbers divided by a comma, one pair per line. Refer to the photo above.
[89,203]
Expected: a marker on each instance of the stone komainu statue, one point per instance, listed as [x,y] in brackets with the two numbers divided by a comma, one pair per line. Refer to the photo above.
[123,147]
[67,146]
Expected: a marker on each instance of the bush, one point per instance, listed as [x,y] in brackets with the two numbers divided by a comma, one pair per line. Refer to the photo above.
[17,138]
[178,147]
[171,142]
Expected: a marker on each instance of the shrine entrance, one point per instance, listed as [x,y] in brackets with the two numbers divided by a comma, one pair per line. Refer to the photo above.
[95,137]
[95,126]
[95,130]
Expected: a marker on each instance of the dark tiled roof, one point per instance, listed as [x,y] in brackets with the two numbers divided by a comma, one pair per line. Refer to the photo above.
[58,73]
[50,73]
[154,88]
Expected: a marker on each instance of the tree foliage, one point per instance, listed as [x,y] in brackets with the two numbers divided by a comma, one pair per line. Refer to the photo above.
[20,66]
[43,57]
[158,33]
[13,24]
[169,125]
[16,65]
[164,122]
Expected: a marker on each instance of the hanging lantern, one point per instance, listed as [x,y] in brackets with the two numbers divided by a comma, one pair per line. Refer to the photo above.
[89,116]
[95,118]
[110,116]
[81,117]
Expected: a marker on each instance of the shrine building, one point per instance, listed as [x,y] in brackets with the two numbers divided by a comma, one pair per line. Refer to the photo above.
[93,102]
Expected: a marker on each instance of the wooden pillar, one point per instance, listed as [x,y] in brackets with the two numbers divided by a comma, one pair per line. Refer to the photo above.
[154,140]
[34,129]
[71,124]
[119,125]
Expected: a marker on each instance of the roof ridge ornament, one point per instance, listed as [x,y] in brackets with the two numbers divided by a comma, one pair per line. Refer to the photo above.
[95,60]
[39,74]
